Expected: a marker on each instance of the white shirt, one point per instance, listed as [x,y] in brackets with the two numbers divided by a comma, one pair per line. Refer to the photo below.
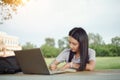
[64,56]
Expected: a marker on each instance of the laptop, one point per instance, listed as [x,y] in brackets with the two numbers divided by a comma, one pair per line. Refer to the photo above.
[32,61]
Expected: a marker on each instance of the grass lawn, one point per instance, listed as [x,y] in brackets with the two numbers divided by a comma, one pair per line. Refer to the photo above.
[101,62]
[108,63]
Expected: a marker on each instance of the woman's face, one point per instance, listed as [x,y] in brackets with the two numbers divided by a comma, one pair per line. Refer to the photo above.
[73,43]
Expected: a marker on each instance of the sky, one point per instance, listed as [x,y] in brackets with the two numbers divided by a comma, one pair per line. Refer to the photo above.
[40,19]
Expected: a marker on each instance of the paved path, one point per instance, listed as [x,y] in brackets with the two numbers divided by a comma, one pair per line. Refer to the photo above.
[85,75]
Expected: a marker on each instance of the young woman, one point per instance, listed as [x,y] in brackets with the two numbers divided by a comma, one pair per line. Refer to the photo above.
[79,56]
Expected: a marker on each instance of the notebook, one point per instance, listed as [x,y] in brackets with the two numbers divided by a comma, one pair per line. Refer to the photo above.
[32,61]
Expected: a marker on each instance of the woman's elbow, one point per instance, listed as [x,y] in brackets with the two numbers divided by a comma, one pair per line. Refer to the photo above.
[90,68]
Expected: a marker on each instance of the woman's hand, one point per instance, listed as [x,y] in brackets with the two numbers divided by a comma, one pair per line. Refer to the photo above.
[70,65]
[53,67]
[66,66]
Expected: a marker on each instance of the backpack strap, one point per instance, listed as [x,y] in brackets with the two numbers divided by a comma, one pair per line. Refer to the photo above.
[71,56]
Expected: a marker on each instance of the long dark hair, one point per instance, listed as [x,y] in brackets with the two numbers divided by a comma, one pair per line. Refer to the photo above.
[81,36]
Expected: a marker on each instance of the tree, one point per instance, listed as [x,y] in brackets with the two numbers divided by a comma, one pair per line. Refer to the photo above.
[8,8]
[116,41]
[63,43]
[95,39]
[49,51]
[50,42]
[66,42]
[115,45]
[28,45]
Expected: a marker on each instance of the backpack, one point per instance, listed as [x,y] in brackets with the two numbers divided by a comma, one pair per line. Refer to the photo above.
[9,65]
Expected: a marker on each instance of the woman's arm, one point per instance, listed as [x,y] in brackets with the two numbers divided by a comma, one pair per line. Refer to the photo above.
[92,60]
[59,59]
[70,65]
[90,66]
[53,65]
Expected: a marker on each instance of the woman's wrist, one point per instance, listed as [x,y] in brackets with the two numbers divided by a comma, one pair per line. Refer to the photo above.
[71,64]
[52,64]
[74,65]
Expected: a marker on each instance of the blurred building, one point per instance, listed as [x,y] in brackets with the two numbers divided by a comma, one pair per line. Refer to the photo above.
[9,42]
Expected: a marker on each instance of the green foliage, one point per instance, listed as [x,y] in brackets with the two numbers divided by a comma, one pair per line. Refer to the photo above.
[115,50]
[96,43]
[49,51]
[106,50]
[103,49]
[116,41]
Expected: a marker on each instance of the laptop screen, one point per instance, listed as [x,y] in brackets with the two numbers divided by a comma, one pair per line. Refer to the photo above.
[32,61]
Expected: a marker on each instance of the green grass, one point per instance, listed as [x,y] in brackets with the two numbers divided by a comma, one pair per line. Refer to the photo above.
[107,63]
[101,62]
